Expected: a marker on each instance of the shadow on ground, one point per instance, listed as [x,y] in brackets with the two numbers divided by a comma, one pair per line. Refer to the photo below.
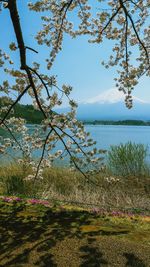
[51,238]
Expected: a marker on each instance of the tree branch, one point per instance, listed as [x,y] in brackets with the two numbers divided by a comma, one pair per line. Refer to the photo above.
[111,19]
[42,81]
[27,47]
[16,101]
[127,14]
[17,28]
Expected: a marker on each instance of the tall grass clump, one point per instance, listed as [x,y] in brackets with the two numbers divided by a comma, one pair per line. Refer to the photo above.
[14,185]
[12,180]
[128,159]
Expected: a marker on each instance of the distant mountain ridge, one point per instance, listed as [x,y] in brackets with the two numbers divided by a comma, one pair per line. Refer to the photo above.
[116,111]
[110,106]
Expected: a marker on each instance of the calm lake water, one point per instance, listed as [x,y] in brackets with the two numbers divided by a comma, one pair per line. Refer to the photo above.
[107,135]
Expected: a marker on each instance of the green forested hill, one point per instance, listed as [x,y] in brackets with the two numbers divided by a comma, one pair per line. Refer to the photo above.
[28,112]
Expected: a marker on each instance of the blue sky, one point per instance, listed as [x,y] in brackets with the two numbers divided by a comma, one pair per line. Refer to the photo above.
[78,64]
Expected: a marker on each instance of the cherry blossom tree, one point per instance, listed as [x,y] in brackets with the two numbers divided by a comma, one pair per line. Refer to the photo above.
[125,23]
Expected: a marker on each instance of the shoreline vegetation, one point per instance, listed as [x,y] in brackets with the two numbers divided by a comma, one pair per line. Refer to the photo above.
[124,183]
[61,184]
[33,116]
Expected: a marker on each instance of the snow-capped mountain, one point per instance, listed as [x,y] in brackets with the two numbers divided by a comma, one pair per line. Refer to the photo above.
[110,105]
[110,96]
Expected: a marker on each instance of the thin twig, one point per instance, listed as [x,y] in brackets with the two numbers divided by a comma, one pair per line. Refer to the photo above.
[13,136]
[32,49]
[42,155]
[42,81]
[111,19]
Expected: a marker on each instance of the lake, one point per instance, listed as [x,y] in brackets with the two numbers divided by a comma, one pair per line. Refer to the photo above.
[107,135]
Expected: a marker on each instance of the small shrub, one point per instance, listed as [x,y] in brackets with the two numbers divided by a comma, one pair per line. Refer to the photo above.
[128,159]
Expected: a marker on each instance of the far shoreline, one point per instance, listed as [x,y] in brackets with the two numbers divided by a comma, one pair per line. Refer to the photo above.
[107,122]
[117,122]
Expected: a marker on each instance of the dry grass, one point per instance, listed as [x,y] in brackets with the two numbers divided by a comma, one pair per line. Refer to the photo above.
[63,185]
